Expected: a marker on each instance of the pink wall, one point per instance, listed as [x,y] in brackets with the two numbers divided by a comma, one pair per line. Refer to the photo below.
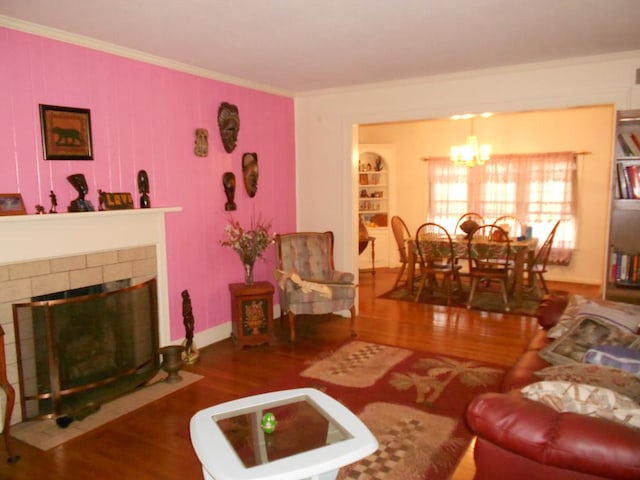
[144,117]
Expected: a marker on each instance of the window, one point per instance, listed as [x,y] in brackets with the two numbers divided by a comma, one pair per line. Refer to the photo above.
[539,189]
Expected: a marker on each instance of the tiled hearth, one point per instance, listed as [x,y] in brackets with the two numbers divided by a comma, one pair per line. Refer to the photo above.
[66,251]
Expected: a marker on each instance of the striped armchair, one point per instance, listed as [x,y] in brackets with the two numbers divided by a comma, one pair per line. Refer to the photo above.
[307,280]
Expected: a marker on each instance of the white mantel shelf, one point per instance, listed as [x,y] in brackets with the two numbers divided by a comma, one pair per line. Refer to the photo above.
[35,237]
[26,238]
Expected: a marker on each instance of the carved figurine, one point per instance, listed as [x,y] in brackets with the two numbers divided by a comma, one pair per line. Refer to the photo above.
[190,353]
[54,202]
[229,124]
[202,142]
[229,183]
[250,173]
[143,188]
[80,184]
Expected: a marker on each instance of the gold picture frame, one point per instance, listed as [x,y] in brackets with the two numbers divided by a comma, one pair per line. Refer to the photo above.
[66,133]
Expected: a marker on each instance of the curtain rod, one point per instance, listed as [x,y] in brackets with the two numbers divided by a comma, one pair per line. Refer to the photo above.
[443,157]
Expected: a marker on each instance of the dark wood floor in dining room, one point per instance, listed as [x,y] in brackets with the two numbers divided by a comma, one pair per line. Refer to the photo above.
[153,441]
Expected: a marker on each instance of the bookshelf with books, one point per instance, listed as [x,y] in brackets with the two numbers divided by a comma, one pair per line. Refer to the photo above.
[623,273]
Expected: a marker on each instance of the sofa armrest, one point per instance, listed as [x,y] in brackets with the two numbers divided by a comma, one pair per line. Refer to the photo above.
[341,277]
[570,441]
[550,310]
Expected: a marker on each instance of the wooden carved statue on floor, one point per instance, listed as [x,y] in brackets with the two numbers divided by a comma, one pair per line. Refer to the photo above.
[190,353]
[229,124]
[80,184]
[229,183]
[250,173]
[143,188]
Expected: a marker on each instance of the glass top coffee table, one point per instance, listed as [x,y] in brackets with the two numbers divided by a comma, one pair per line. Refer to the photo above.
[314,436]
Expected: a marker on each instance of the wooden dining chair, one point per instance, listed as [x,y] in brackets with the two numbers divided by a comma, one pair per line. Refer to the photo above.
[489,255]
[516,226]
[437,259]
[538,267]
[403,239]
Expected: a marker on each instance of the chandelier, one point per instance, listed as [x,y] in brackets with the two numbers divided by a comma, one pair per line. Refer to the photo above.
[471,153]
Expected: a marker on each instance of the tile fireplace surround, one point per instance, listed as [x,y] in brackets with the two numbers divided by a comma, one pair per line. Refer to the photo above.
[43,254]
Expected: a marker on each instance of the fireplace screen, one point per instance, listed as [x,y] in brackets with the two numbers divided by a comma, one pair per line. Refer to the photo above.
[80,352]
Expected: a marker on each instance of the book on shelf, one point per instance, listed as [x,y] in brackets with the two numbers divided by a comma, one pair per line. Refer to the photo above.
[628,145]
[636,140]
[625,269]
[628,176]
[634,181]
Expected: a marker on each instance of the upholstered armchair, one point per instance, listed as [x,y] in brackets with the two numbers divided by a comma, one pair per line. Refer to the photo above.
[307,280]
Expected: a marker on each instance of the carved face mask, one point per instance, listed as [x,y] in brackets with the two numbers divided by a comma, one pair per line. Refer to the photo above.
[250,173]
[229,124]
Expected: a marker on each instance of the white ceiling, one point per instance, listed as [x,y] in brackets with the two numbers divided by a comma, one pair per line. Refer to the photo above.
[296,46]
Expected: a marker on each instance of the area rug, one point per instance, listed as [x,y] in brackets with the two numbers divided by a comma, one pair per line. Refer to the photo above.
[46,434]
[487,299]
[412,402]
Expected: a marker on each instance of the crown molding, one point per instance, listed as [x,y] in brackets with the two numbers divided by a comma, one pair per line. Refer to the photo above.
[94,44]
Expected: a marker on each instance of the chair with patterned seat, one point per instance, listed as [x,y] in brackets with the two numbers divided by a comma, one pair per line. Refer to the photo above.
[307,280]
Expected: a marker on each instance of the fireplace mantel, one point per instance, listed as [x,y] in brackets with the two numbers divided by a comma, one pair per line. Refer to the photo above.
[26,238]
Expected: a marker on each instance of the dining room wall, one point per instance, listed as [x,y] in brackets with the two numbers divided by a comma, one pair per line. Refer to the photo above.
[327,124]
[584,129]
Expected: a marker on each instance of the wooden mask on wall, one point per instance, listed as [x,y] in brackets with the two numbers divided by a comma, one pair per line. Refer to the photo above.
[250,173]
[229,124]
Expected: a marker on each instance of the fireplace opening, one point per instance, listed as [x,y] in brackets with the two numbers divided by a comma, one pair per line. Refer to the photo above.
[80,349]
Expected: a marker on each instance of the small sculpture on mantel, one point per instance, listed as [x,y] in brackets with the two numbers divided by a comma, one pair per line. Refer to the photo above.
[190,353]
[143,188]
[54,202]
[80,184]
[229,183]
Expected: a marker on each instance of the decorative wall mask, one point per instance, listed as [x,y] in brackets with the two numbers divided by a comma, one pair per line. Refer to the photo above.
[229,123]
[229,183]
[80,184]
[143,188]
[250,173]
[202,142]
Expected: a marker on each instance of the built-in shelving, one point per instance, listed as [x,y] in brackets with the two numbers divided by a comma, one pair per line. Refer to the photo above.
[622,281]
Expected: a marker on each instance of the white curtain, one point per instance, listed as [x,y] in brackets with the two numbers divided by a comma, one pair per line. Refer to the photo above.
[538,188]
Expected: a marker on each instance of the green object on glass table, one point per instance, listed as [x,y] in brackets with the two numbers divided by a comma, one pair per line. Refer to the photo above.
[268,422]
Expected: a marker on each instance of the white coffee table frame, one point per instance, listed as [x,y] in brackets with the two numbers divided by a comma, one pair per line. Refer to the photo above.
[220,462]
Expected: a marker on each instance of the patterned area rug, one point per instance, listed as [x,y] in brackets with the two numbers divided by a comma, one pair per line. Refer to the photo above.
[486,299]
[412,402]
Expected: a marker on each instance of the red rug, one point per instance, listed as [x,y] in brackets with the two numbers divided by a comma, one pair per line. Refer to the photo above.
[412,402]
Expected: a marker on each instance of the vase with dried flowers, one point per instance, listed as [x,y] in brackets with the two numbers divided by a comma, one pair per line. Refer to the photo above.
[250,244]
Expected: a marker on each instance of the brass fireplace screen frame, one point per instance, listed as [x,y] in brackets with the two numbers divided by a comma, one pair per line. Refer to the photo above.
[79,352]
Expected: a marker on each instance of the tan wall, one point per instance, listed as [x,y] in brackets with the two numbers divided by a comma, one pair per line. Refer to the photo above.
[577,129]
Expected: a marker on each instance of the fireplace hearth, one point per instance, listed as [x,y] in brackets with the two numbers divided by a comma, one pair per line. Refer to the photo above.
[79,352]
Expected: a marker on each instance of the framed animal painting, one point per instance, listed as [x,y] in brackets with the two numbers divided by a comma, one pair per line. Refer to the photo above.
[66,133]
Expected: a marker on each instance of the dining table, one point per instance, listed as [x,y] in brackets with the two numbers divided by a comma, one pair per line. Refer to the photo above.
[522,250]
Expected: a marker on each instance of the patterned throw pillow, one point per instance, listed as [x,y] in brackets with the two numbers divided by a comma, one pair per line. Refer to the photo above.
[586,400]
[585,332]
[627,359]
[619,381]
[622,315]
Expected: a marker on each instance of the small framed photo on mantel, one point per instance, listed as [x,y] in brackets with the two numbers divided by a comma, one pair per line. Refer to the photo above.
[66,133]
[12,204]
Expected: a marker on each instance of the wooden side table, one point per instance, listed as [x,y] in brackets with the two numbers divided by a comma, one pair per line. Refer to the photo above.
[252,313]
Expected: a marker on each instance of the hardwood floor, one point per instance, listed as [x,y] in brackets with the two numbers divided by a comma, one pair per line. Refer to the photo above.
[153,442]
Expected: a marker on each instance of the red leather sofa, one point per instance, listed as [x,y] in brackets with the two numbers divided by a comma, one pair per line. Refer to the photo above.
[522,439]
